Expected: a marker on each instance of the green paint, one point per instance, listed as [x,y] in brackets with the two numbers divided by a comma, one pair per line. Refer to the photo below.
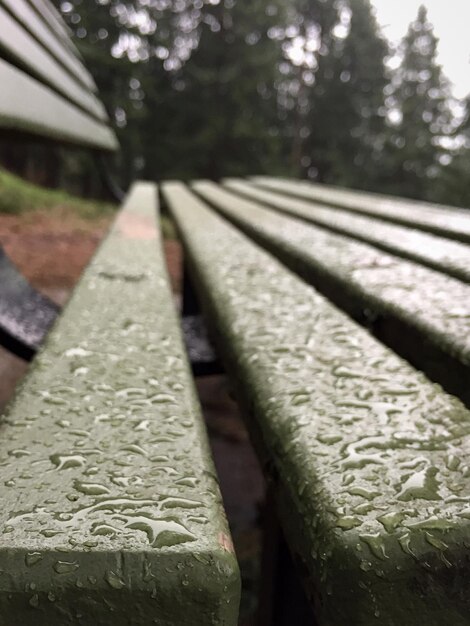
[115,516]
[26,15]
[27,105]
[26,51]
[450,257]
[435,305]
[395,561]
[442,220]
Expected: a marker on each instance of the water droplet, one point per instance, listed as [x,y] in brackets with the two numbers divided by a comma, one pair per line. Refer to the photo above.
[80,371]
[452,462]
[341,371]
[356,459]
[47,397]
[405,542]
[329,439]
[77,352]
[18,453]
[348,479]
[91,471]
[79,433]
[136,449]
[183,503]
[67,461]
[390,521]
[90,489]
[421,485]
[363,509]
[434,541]
[161,398]
[160,532]
[49,532]
[363,492]
[32,558]
[348,522]
[34,601]
[188,481]
[114,580]
[300,399]
[376,545]
[104,529]
[66,567]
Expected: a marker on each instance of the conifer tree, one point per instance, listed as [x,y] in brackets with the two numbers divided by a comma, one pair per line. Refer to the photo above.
[230,87]
[225,99]
[113,47]
[346,102]
[308,45]
[451,186]
[420,115]
[199,80]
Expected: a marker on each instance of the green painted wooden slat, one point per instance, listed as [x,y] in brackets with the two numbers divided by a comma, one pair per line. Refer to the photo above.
[437,306]
[24,13]
[28,53]
[369,459]
[27,105]
[450,257]
[442,220]
[111,512]
[371,198]
[54,20]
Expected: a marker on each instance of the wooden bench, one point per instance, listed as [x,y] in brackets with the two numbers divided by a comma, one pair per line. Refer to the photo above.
[367,458]
[111,511]
[47,95]
[446,221]
[447,256]
[423,313]
[46,90]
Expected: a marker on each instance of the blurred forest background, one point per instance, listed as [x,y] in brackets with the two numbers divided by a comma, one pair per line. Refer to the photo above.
[305,88]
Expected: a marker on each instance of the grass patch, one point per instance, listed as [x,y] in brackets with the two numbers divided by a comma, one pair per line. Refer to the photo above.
[18,196]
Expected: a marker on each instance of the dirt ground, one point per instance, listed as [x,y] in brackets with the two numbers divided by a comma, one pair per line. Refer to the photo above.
[51,250]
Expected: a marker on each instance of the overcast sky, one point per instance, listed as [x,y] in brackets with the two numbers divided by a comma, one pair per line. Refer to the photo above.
[451,19]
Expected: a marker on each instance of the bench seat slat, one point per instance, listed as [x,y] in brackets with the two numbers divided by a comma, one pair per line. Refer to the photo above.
[19,44]
[111,512]
[441,220]
[434,304]
[29,106]
[369,459]
[450,257]
[25,14]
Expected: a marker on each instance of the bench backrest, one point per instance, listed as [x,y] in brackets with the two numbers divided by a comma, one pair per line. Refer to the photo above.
[45,90]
